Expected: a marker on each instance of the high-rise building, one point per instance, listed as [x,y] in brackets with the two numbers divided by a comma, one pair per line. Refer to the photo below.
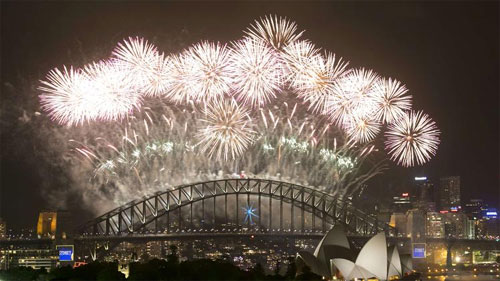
[470,231]
[475,207]
[398,221]
[434,225]
[424,194]
[401,203]
[455,225]
[449,193]
[416,225]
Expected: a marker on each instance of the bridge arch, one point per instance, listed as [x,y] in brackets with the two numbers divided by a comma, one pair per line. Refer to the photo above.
[174,211]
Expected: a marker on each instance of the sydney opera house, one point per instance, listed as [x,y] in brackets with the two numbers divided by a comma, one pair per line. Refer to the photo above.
[334,257]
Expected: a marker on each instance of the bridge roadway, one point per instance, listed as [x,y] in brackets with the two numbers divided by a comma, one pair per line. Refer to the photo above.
[138,238]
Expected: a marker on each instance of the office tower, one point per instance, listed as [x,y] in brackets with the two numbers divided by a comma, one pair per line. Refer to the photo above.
[449,193]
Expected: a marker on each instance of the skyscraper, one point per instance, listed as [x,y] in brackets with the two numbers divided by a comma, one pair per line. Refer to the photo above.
[424,194]
[449,193]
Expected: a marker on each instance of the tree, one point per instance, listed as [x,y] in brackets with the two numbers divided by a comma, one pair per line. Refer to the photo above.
[291,270]
[258,272]
[308,275]
[173,257]
[277,269]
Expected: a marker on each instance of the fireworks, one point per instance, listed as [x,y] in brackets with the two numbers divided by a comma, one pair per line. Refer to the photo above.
[277,32]
[392,102]
[208,71]
[142,61]
[101,91]
[364,130]
[269,104]
[316,77]
[354,98]
[412,138]
[227,133]
[256,72]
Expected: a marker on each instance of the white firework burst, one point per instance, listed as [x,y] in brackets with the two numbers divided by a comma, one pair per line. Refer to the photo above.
[208,65]
[140,59]
[227,132]
[354,97]
[159,82]
[277,32]
[315,81]
[101,91]
[412,139]
[393,101]
[364,130]
[256,71]
[115,92]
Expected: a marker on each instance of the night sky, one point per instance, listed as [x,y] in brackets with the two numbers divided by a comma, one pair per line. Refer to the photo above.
[446,53]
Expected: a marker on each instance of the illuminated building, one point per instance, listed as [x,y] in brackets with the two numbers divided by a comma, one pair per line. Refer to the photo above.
[54,225]
[46,226]
[401,203]
[34,258]
[3,229]
[455,224]
[449,193]
[434,225]
[416,225]
[470,228]
[398,221]
[424,194]
[475,207]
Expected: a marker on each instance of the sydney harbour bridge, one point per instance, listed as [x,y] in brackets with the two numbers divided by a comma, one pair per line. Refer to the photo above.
[233,206]
[229,208]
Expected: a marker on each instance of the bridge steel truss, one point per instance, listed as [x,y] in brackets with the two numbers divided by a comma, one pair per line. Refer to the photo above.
[150,212]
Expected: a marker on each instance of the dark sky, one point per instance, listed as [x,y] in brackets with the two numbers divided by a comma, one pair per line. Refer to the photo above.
[447,53]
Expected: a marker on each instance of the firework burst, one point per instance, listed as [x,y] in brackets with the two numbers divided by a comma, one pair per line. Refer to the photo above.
[101,91]
[277,32]
[364,130]
[412,139]
[142,60]
[354,97]
[256,71]
[227,132]
[315,79]
[208,65]
[393,101]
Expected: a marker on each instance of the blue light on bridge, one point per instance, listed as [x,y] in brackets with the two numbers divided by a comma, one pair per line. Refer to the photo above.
[249,214]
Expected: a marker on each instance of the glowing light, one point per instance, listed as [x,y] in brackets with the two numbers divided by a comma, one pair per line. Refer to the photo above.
[142,61]
[363,130]
[101,91]
[314,77]
[354,98]
[208,66]
[277,32]
[249,214]
[393,101]
[228,130]
[412,139]
[256,72]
